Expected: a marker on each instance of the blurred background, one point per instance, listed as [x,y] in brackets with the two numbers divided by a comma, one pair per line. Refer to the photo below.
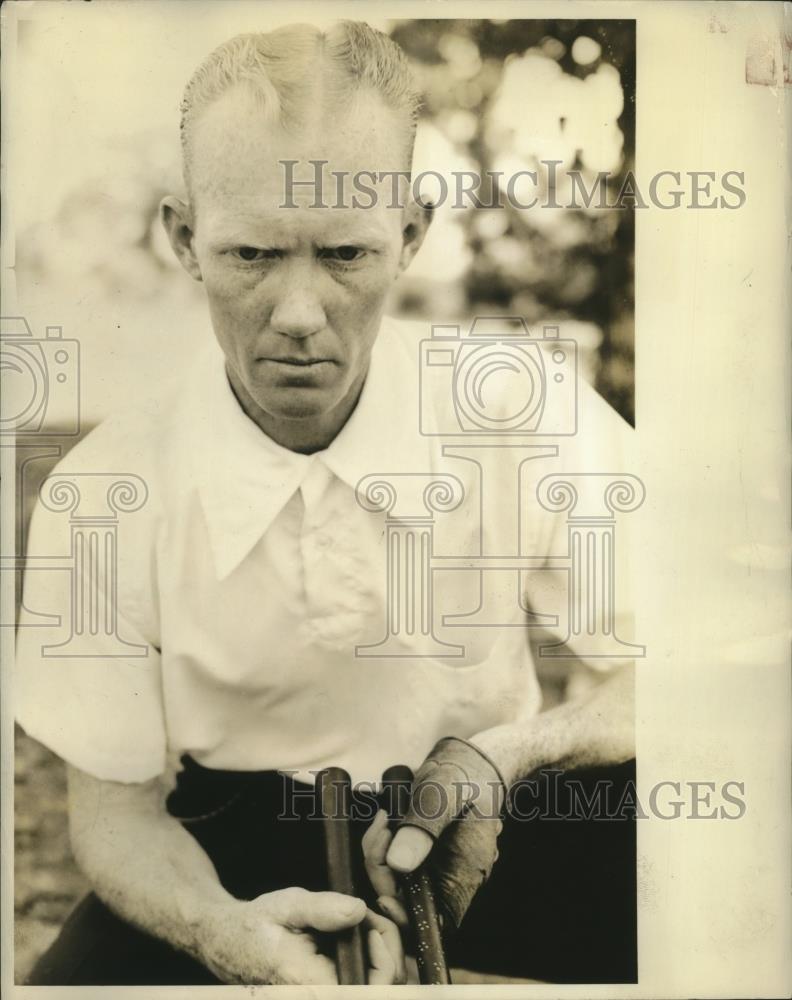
[95,146]
[512,96]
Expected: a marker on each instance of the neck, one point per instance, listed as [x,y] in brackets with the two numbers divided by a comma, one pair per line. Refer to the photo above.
[303,435]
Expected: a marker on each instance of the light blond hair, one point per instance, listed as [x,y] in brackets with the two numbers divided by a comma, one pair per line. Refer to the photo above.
[298,73]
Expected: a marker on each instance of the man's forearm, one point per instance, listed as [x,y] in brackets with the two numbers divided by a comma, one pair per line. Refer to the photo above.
[596,729]
[143,864]
[150,871]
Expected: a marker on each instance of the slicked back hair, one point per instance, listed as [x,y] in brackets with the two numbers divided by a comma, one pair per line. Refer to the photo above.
[299,74]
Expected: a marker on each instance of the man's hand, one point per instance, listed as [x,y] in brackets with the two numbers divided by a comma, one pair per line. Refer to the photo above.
[453,813]
[269,939]
[173,893]
[460,842]
[460,862]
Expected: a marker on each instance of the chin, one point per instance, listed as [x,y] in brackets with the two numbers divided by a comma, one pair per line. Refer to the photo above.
[297,406]
[297,413]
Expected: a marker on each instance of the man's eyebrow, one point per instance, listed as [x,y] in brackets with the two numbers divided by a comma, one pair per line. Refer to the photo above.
[351,231]
[250,235]
[370,241]
[373,241]
[274,232]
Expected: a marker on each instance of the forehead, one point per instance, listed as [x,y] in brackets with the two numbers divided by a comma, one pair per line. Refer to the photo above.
[242,163]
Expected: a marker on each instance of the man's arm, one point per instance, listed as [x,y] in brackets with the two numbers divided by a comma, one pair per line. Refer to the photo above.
[596,729]
[152,873]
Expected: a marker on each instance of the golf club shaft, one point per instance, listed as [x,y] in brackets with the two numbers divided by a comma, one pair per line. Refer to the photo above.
[418,891]
[335,798]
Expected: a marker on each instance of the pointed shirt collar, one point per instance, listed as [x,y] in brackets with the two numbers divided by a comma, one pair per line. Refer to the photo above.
[245,479]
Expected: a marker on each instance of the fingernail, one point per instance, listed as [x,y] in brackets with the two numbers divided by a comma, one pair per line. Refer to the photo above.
[383,903]
[352,907]
[404,857]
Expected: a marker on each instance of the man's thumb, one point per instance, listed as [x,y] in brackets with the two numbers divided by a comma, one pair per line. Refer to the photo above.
[327,911]
[409,849]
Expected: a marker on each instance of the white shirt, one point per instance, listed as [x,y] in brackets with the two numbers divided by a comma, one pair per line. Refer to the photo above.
[252,585]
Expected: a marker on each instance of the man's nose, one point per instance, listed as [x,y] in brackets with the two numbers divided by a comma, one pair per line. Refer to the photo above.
[298,312]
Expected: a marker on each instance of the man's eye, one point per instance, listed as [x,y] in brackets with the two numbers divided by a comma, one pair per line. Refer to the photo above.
[251,254]
[346,253]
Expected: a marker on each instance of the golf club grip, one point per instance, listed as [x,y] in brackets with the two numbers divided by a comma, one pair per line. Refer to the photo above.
[335,798]
[418,891]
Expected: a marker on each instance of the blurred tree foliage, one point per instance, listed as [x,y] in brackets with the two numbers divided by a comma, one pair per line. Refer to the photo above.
[566,265]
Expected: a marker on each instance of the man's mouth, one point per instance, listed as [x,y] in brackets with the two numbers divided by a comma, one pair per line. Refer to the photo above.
[298,362]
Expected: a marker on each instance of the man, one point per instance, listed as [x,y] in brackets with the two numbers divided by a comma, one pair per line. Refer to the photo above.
[251,587]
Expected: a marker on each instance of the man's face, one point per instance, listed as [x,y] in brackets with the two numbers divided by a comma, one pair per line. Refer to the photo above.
[296,295]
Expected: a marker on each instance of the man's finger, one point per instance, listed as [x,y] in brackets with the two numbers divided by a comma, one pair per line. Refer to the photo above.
[299,967]
[391,939]
[324,911]
[373,835]
[382,879]
[409,849]
[383,970]
[393,910]
[376,841]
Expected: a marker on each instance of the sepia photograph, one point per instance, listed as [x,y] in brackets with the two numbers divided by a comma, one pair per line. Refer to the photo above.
[346,451]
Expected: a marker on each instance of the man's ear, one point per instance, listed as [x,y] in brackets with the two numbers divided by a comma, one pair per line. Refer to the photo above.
[177,219]
[415,224]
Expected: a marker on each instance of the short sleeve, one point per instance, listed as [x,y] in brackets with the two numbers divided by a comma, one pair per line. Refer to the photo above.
[87,678]
[586,586]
